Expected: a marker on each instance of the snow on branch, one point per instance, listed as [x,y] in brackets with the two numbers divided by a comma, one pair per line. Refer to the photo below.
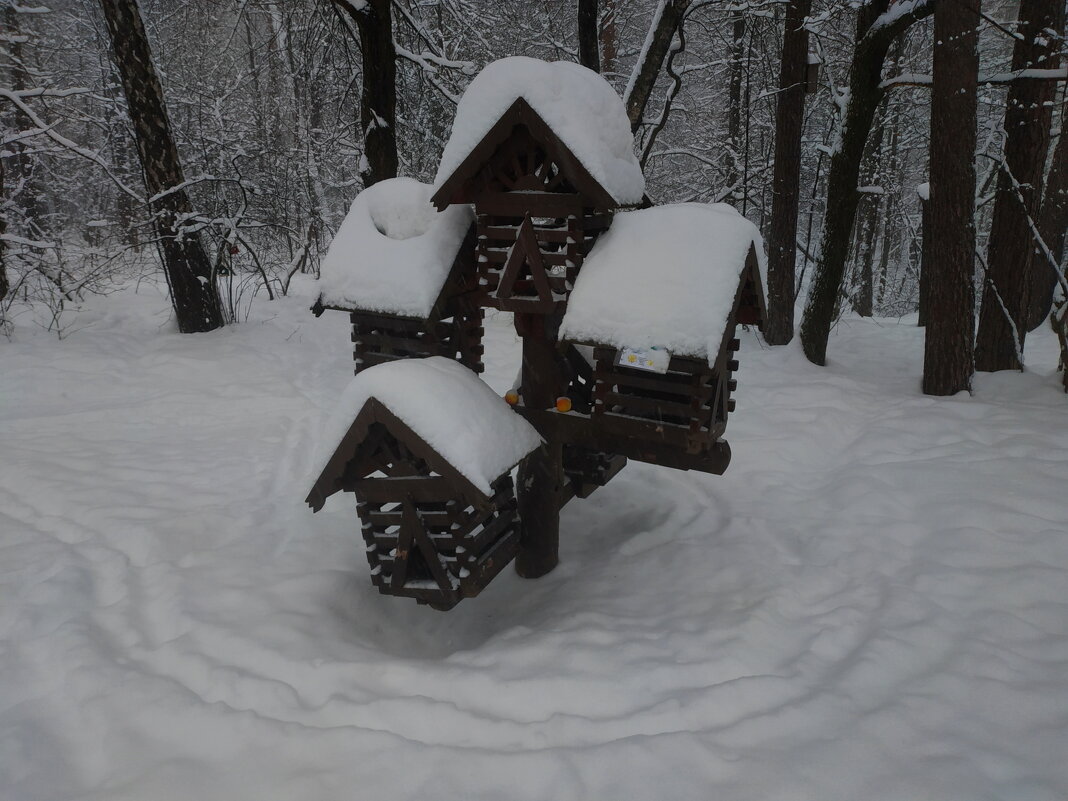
[58,138]
[925,80]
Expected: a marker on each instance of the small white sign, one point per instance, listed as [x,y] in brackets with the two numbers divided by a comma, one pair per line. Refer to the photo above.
[654,359]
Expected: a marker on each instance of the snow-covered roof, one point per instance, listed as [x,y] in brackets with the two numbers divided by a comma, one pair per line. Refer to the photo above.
[449,407]
[663,277]
[580,106]
[394,251]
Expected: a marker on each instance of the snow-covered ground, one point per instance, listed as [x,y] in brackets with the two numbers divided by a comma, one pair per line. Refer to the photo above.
[871,604]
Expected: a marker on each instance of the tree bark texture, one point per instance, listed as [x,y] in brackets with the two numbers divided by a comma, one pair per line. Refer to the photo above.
[732,156]
[378,96]
[589,46]
[925,258]
[21,180]
[609,36]
[1011,258]
[1052,225]
[5,285]
[947,359]
[186,264]
[875,35]
[652,58]
[786,186]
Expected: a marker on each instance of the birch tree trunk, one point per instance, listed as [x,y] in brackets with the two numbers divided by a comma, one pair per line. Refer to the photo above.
[186,264]
[947,358]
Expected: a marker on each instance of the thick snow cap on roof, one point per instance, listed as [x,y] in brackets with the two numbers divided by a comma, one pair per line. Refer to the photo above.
[394,251]
[664,277]
[449,407]
[579,106]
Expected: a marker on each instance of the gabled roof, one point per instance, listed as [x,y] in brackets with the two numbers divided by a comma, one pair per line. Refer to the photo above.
[441,410]
[571,109]
[669,277]
[394,252]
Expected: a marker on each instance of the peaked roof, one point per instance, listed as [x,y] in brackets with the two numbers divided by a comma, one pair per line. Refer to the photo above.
[394,252]
[565,105]
[667,276]
[441,410]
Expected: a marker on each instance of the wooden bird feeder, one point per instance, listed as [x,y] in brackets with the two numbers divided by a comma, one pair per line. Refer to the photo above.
[430,533]
[628,319]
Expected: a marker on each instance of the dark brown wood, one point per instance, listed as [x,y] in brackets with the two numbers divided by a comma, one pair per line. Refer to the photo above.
[544,378]
[430,534]
[947,363]
[589,52]
[464,185]
[1003,315]
[541,484]
[186,264]
[525,266]
[587,470]
[634,439]
[786,182]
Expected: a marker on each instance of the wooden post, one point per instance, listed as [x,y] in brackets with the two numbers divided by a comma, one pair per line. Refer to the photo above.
[541,475]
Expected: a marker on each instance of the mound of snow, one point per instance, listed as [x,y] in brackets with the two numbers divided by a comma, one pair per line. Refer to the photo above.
[449,407]
[394,251]
[665,276]
[579,105]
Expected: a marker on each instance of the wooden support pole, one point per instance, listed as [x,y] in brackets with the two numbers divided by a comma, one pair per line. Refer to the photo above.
[539,493]
[541,475]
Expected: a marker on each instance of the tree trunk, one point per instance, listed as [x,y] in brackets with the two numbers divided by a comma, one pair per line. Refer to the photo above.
[924,191]
[786,182]
[647,69]
[186,264]
[378,97]
[875,34]
[1010,259]
[947,359]
[609,35]
[1052,225]
[732,155]
[5,285]
[22,178]
[589,52]
[866,227]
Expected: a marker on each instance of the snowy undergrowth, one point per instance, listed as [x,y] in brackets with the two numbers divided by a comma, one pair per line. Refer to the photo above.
[870,604]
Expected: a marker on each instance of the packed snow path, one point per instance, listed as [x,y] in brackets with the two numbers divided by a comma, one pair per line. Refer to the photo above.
[871,604]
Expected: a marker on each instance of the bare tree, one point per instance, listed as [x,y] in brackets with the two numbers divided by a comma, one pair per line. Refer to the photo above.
[786,189]
[877,28]
[950,324]
[378,95]
[589,50]
[188,269]
[666,21]
[1028,116]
